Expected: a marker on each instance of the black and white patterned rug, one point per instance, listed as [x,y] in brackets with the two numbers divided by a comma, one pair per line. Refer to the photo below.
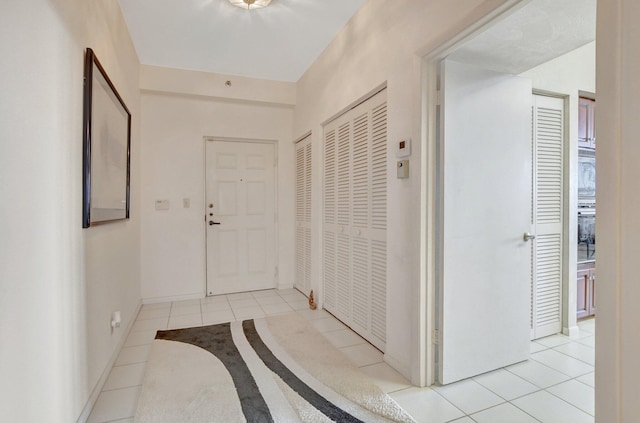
[275,369]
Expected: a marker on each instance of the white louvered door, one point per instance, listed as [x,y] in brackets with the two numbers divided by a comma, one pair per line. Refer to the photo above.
[548,137]
[303,215]
[355,219]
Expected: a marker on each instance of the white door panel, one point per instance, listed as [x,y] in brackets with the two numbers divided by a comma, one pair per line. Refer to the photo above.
[354,243]
[548,189]
[486,208]
[240,216]
[303,215]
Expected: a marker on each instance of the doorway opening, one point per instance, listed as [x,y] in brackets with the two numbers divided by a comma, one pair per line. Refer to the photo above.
[480,47]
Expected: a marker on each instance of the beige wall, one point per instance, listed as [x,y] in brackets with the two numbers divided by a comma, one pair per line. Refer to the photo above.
[383,44]
[618,199]
[59,283]
[179,109]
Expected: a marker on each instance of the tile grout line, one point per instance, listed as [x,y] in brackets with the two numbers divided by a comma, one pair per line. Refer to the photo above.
[560,398]
[505,401]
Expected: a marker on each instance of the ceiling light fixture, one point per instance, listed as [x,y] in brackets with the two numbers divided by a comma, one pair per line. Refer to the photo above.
[250,4]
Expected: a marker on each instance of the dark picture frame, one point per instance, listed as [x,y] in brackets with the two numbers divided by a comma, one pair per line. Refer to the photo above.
[106,157]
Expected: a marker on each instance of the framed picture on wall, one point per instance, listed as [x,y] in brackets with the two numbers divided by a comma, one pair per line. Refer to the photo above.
[106,158]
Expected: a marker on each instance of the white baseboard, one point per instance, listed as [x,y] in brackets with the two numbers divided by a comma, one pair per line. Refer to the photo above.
[572,331]
[397,366]
[156,300]
[285,286]
[86,411]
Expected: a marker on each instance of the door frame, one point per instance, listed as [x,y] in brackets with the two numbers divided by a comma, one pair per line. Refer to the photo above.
[276,240]
[431,205]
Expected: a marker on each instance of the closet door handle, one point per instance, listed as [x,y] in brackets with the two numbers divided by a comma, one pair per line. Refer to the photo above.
[527,237]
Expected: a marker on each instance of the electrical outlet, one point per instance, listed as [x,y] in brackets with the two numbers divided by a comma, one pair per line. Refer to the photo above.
[162,204]
[403,169]
[116,319]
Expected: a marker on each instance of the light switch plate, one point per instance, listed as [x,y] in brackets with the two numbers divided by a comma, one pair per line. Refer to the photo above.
[162,204]
[404,148]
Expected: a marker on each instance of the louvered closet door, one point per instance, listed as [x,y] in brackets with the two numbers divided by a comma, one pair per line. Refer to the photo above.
[303,215]
[548,142]
[355,219]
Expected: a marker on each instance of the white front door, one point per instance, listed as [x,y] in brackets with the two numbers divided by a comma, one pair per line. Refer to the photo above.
[240,216]
[485,264]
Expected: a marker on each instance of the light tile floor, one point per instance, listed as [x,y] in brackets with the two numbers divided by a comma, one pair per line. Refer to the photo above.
[555,385]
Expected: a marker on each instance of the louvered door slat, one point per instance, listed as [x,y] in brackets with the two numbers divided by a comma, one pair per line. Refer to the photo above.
[329,270]
[300,262]
[549,164]
[361,283]
[379,168]
[343,174]
[549,273]
[548,141]
[330,177]
[300,184]
[355,219]
[303,215]
[343,277]
[379,289]
[360,178]
[307,183]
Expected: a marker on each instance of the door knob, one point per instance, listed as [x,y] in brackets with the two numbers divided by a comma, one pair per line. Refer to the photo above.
[527,237]
[211,222]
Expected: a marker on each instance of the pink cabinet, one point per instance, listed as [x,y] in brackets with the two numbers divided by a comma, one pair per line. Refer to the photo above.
[586,292]
[586,123]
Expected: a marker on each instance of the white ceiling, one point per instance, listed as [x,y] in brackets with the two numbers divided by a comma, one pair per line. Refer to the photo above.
[539,31]
[279,42]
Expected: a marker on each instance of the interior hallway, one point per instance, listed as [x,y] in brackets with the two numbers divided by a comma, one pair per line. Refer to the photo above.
[556,385]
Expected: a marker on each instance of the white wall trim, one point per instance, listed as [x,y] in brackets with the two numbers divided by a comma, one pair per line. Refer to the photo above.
[572,331]
[355,104]
[397,365]
[91,402]
[302,137]
[156,300]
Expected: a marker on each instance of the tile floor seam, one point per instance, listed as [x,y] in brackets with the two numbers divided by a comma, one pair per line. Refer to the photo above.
[123,387]
[556,370]
[579,381]
[572,405]
[452,404]
[488,408]
[528,393]
[540,388]
[515,398]
[525,412]
[233,311]
[575,358]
